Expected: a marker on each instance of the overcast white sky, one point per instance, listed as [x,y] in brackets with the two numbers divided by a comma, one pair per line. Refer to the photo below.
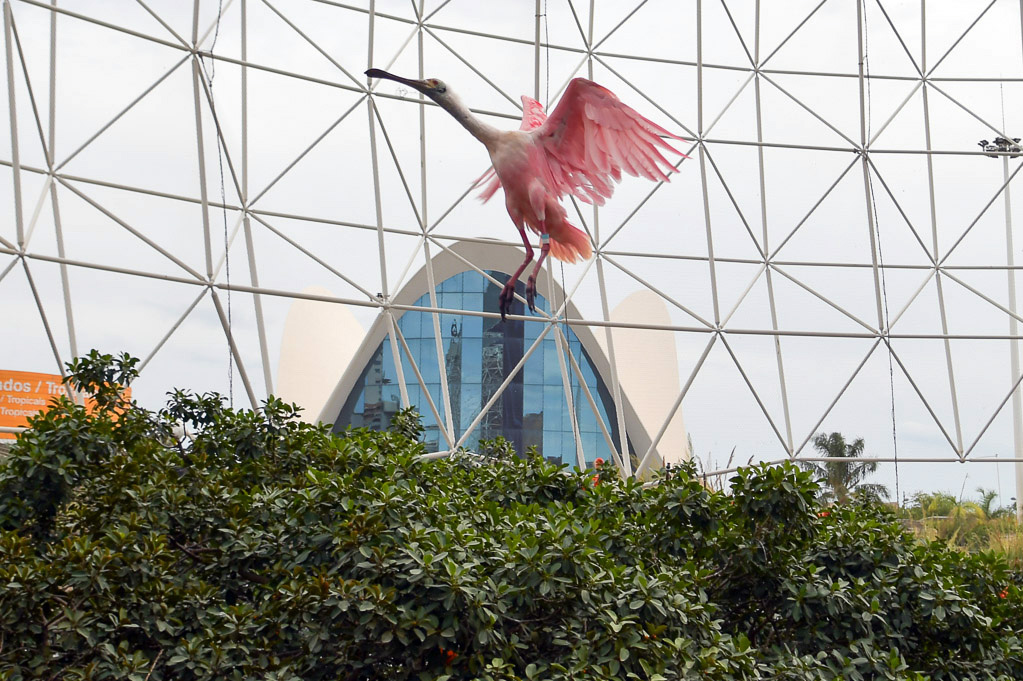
[649,61]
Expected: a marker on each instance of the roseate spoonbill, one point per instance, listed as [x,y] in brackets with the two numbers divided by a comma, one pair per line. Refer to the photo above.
[589,139]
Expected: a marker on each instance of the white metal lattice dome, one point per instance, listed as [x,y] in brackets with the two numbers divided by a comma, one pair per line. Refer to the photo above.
[837,243]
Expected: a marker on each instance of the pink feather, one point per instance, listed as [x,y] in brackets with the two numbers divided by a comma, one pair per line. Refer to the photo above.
[591,137]
[533,116]
[581,149]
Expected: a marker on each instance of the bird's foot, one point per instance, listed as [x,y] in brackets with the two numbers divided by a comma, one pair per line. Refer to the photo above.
[506,298]
[531,293]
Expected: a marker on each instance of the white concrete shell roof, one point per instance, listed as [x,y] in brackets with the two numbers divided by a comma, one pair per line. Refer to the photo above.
[319,341]
[648,368]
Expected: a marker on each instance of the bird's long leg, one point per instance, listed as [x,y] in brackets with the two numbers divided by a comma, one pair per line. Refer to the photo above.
[508,292]
[545,247]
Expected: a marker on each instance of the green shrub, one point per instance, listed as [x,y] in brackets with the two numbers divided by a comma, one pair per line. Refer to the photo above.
[261,547]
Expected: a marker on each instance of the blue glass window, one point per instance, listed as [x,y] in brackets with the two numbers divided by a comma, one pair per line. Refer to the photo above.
[479,353]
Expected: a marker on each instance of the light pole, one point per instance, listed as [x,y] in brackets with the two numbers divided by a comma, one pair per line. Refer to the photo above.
[1005,148]
[1017,413]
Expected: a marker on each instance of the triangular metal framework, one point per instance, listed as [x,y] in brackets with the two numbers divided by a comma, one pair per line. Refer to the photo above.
[744,224]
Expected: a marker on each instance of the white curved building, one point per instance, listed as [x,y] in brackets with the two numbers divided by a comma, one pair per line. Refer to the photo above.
[318,343]
[511,378]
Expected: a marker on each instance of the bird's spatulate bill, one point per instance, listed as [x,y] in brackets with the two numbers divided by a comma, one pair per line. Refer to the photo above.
[380,73]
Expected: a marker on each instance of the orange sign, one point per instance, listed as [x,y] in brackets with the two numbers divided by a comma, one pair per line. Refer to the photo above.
[24,394]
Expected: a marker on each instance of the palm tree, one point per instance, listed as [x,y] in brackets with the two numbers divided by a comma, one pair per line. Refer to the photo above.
[986,504]
[840,481]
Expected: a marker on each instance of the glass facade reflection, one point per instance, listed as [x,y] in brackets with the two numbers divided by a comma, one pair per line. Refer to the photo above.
[478,354]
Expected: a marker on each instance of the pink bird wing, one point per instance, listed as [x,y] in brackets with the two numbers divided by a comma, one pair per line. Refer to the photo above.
[591,137]
[533,116]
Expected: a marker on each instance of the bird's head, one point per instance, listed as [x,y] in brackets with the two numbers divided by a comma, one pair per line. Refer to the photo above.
[431,87]
[445,98]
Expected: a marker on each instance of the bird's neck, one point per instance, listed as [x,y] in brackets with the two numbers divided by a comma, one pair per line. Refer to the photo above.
[482,131]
